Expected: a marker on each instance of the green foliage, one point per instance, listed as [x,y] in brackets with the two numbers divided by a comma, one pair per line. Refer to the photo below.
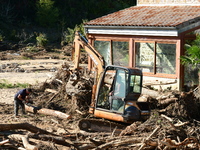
[192,55]
[1,37]
[47,13]
[5,84]
[25,37]
[41,40]
[13,36]
[68,36]
[18,18]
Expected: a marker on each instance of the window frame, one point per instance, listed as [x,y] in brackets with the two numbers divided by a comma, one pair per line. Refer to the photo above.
[111,45]
[154,73]
[132,52]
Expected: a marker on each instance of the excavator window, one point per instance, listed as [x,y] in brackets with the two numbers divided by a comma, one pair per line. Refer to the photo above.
[119,93]
[103,100]
[115,85]
[120,84]
[135,84]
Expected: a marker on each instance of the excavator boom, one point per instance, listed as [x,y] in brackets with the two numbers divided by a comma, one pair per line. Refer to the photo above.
[82,42]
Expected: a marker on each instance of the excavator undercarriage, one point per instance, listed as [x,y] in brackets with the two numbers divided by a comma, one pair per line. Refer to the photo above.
[100,125]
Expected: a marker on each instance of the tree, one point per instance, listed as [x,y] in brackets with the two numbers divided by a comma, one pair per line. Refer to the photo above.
[192,54]
[47,14]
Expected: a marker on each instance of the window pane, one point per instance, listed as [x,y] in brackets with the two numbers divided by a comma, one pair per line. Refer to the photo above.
[166,58]
[120,85]
[135,84]
[103,47]
[120,53]
[105,89]
[145,56]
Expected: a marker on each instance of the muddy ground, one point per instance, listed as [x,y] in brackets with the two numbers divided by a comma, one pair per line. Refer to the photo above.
[174,122]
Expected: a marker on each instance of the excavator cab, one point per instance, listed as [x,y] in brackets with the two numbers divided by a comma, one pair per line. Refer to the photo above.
[118,91]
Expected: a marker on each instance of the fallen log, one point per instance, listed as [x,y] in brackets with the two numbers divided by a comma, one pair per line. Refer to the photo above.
[55,139]
[40,142]
[151,93]
[168,101]
[4,142]
[25,126]
[46,111]
[51,91]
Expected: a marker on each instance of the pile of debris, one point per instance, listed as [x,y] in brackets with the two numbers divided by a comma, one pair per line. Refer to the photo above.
[174,121]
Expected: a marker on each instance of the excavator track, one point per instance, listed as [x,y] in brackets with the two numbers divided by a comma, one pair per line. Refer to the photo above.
[100,125]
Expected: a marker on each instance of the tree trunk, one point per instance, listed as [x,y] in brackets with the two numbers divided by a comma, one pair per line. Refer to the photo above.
[26,126]
[46,111]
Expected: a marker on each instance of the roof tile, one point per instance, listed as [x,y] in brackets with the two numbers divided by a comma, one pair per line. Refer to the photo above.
[166,16]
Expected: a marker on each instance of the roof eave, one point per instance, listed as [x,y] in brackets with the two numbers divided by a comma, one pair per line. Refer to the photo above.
[189,27]
[131,30]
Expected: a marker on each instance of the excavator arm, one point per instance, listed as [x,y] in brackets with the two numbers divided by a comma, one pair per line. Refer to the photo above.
[82,42]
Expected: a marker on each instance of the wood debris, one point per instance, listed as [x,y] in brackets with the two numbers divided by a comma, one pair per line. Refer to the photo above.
[174,121]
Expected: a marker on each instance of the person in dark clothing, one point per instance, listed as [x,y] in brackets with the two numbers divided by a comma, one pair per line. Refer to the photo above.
[19,99]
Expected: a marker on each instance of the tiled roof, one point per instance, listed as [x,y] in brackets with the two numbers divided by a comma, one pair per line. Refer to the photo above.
[157,16]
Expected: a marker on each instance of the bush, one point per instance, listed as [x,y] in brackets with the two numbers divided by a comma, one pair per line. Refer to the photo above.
[41,40]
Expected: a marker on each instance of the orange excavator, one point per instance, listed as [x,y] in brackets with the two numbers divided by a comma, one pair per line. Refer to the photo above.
[115,91]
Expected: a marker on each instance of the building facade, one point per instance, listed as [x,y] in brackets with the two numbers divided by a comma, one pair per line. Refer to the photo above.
[150,36]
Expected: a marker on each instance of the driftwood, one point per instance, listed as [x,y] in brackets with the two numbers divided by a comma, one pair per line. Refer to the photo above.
[21,148]
[46,111]
[170,120]
[151,93]
[129,129]
[25,126]
[84,133]
[119,142]
[55,139]
[24,139]
[50,90]
[160,83]
[27,145]
[4,142]
[154,132]
[173,144]
[168,101]
[59,81]
[40,138]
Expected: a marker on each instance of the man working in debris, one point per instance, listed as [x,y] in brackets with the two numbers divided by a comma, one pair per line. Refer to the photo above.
[19,99]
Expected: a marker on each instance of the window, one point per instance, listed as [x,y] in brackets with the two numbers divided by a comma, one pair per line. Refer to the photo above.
[156,57]
[103,48]
[117,54]
[135,84]
[151,57]
[120,53]
[120,85]
[145,56]
[166,58]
